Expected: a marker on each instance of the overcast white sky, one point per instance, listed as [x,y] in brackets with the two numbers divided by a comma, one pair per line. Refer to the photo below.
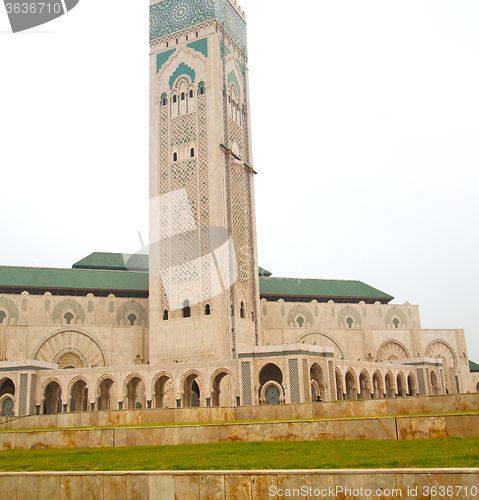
[365,121]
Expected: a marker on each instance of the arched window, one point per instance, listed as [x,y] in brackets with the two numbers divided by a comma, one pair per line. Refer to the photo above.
[207,310]
[192,152]
[300,321]
[242,313]
[68,317]
[2,316]
[396,322]
[132,318]
[164,101]
[175,156]
[350,322]
[165,314]
[174,98]
[186,309]
[201,88]
[182,96]
[191,93]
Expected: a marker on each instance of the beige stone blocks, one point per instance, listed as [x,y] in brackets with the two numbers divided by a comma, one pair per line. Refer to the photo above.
[384,484]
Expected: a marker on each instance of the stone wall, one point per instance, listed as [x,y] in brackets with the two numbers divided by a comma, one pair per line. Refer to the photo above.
[372,428]
[335,409]
[240,485]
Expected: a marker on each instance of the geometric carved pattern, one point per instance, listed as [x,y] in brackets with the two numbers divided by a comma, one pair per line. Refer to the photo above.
[323,339]
[391,314]
[10,308]
[294,380]
[439,349]
[70,357]
[135,307]
[171,15]
[81,343]
[300,310]
[392,350]
[246,379]
[73,305]
[349,311]
[22,403]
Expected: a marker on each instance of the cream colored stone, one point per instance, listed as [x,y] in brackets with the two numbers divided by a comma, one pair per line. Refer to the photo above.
[187,487]
[212,487]
[115,487]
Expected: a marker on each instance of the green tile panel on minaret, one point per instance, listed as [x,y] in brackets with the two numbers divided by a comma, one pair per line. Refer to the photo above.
[170,16]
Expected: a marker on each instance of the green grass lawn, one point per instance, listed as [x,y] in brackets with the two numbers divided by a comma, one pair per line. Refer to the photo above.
[450,452]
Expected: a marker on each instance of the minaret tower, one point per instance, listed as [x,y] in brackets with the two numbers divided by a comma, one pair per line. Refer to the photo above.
[204,292]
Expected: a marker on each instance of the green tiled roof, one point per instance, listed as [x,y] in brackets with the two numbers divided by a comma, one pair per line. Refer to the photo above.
[263,272]
[113,261]
[473,367]
[107,271]
[288,287]
[77,279]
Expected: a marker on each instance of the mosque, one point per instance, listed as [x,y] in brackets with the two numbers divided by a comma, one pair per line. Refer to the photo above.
[193,320]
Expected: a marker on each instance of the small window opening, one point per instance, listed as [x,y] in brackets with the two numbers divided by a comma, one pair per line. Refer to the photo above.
[164,101]
[192,152]
[242,313]
[202,90]
[166,44]
[165,315]
[186,37]
[191,93]
[132,318]
[350,322]
[174,98]
[182,96]
[175,156]
[2,316]
[177,41]
[68,317]
[207,310]
[186,309]
[229,98]
[300,321]
[196,34]
[396,322]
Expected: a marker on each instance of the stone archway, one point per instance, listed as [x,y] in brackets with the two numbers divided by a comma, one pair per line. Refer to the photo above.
[193,394]
[53,402]
[412,386]
[221,388]
[389,385]
[7,386]
[364,386]
[163,392]
[107,393]
[378,389]
[317,382]
[401,385]
[435,389]
[339,385]
[79,396]
[351,386]
[135,393]
[270,374]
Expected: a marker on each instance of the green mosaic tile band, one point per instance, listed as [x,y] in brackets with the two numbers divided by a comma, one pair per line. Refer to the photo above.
[170,16]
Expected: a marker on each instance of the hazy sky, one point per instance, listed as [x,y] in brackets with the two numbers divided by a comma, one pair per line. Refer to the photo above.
[365,120]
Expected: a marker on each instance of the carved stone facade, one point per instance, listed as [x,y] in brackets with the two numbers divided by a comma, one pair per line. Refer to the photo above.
[100,337]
